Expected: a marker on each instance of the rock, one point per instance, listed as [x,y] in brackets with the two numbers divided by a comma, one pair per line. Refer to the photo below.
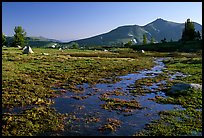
[177,88]
[19,46]
[196,86]
[46,54]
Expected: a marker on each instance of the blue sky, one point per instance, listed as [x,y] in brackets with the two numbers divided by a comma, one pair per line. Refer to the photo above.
[77,20]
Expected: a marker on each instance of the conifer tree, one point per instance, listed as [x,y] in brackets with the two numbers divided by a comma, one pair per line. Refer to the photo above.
[19,36]
[152,40]
[189,32]
[144,39]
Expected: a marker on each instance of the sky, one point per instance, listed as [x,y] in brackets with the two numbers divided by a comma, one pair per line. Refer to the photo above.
[78,20]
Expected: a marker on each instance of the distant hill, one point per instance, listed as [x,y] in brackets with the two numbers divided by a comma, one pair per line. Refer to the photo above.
[157,29]
[36,41]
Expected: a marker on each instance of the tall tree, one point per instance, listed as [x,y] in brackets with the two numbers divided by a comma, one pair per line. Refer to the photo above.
[163,40]
[144,39]
[152,40]
[197,35]
[128,44]
[75,45]
[4,43]
[189,32]
[19,36]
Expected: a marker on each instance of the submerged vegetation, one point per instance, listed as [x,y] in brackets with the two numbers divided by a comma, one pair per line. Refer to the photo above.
[112,125]
[27,82]
[118,104]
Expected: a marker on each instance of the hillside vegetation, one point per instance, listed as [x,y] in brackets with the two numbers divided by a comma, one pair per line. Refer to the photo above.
[189,46]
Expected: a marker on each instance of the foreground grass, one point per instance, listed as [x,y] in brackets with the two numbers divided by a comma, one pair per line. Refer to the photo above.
[180,122]
[29,79]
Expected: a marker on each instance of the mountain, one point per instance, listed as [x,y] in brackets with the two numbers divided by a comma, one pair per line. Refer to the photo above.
[41,38]
[158,29]
[36,41]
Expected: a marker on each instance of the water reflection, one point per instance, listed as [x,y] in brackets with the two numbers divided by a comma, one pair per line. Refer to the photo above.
[90,105]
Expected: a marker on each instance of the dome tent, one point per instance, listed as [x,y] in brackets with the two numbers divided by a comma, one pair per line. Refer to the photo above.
[27,50]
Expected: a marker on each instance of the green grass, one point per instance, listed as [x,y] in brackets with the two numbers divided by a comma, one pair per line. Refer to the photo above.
[32,122]
[34,75]
[28,80]
[191,66]
[181,122]
[175,123]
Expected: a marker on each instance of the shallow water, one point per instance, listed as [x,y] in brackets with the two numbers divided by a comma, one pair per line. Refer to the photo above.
[90,106]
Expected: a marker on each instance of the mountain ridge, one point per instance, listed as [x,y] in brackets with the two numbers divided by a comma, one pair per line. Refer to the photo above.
[158,29]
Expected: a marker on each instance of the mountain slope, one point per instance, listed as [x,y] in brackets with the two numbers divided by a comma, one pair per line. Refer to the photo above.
[36,41]
[157,29]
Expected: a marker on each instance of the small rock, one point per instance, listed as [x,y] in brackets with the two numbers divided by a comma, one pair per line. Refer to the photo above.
[45,54]
[19,46]
[179,87]
[183,86]
[196,86]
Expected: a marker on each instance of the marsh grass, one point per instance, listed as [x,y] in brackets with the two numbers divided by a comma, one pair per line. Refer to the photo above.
[32,122]
[185,122]
[138,87]
[112,124]
[175,123]
[29,79]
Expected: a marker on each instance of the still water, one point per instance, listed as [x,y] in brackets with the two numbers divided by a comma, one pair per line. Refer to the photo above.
[89,106]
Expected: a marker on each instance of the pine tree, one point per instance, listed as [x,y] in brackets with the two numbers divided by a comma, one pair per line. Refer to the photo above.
[75,45]
[19,36]
[144,39]
[189,32]
[152,40]
[197,35]
[128,44]
[163,40]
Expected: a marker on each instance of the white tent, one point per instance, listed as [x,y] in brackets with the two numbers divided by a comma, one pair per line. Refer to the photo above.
[27,50]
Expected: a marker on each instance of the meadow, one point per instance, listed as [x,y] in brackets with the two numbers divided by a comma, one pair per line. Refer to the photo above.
[28,82]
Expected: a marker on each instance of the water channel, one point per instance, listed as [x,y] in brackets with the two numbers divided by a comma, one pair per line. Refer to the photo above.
[89,107]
